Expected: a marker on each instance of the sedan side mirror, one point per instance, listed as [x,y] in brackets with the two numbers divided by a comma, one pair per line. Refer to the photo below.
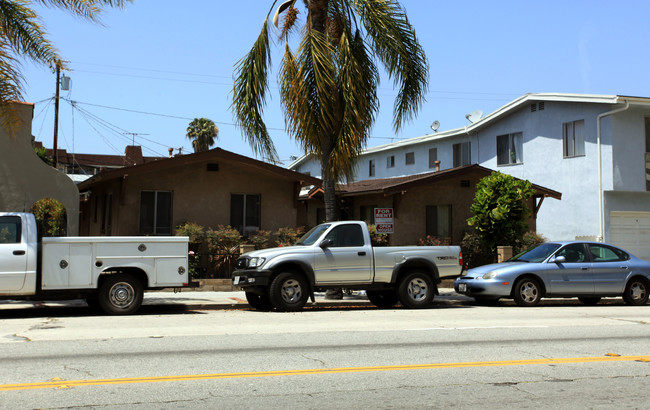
[559,259]
[326,243]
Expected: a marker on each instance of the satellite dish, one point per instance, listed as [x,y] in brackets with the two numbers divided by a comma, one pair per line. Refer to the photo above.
[474,116]
[435,125]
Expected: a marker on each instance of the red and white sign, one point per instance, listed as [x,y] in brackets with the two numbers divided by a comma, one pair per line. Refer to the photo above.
[384,220]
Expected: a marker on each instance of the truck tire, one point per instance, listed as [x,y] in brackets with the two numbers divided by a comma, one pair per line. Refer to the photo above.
[383,299]
[288,292]
[415,290]
[120,294]
[259,302]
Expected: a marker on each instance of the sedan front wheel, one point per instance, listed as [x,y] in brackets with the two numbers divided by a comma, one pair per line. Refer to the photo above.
[527,292]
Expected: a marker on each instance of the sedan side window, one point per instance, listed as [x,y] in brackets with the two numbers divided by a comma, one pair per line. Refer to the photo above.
[601,253]
[346,235]
[574,253]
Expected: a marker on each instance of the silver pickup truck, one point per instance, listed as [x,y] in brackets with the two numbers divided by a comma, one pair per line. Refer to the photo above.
[340,255]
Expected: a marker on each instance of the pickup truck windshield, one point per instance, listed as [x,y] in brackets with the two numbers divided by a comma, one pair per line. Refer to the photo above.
[312,236]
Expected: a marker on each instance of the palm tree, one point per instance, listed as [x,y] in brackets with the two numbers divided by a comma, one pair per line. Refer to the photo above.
[202,132]
[328,88]
[23,36]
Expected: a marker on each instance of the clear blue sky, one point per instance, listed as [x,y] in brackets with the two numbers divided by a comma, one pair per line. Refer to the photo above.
[175,59]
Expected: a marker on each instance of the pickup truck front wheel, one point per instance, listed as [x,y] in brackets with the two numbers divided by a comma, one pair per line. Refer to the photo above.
[259,301]
[288,292]
[120,294]
[415,291]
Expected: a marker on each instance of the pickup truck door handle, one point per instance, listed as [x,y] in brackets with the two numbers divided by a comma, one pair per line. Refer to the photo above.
[362,253]
[17,253]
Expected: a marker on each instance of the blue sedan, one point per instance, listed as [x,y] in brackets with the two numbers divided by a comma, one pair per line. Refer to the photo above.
[587,270]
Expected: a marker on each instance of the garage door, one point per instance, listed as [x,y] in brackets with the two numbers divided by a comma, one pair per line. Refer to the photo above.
[631,231]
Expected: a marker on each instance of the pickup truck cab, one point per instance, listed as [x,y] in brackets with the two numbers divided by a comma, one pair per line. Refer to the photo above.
[340,255]
[109,272]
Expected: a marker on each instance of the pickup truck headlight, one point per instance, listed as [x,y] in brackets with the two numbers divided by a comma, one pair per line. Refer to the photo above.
[256,262]
[490,275]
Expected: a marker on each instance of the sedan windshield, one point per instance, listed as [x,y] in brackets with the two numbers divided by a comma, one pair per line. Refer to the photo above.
[537,254]
[312,236]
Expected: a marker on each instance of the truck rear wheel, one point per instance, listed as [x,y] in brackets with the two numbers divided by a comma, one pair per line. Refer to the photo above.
[288,292]
[259,301]
[383,299]
[415,291]
[120,294]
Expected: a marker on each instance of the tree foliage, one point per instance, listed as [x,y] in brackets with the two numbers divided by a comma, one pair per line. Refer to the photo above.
[328,86]
[499,210]
[202,132]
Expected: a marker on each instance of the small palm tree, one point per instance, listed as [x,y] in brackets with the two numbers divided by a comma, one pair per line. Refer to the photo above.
[202,132]
[328,88]
[23,36]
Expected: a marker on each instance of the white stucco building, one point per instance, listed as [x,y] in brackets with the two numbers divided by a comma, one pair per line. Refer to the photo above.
[553,140]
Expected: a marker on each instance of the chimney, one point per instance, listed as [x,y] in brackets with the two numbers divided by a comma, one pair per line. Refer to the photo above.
[133,154]
[171,152]
[437,165]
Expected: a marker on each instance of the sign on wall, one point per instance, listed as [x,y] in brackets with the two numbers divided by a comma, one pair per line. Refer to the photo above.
[384,220]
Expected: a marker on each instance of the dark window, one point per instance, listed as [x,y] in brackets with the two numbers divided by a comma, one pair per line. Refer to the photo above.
[462,154]
[390,161]
[574,138]
[212,167]
[371,168]
[433,157]
[10,229]
[602,253]
[509,149]
[156,212]
[367,213]
[245,213]
[346,235]
[320,216]
[438,221]
[574,253]
[109,214]
[410,158]
[647,154]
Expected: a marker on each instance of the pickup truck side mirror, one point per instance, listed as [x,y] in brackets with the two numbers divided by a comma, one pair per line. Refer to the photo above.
[326,243]
[559,259]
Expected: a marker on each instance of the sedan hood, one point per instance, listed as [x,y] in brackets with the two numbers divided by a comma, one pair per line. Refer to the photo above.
[494,267]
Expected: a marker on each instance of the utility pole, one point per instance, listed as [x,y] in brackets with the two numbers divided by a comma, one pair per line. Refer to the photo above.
[55,149]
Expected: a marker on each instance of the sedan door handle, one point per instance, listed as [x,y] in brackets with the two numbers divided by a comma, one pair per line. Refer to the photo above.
[361,253]
[17,253]
[584,268]
[623,267]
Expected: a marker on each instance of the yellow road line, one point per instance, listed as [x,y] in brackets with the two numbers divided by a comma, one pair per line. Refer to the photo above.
[62,384]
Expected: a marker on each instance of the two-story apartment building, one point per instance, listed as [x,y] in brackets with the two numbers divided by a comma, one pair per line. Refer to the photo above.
[594,149]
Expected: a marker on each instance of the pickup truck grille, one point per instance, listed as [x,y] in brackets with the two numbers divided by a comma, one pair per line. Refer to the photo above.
[242,263]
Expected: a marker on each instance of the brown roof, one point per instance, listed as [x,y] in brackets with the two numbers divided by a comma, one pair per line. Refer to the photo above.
[216,154]
[133,156]
[398,184]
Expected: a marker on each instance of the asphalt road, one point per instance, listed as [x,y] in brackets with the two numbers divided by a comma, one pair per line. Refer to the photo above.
[560,355]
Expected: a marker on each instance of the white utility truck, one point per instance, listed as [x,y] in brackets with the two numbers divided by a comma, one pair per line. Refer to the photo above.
[109,272]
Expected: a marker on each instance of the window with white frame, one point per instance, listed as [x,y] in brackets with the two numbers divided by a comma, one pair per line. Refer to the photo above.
[371,168]
[390,161]
[509,149]
[156,212]
[573,136]
[462,154]
[433,157]
[409,158]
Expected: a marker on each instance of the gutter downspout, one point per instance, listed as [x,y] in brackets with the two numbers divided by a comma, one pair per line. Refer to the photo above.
[600,167]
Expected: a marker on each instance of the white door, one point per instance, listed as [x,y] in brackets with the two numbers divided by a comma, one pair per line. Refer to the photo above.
[631,231]
[13,254]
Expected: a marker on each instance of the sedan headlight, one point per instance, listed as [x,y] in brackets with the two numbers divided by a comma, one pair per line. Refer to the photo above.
[490,275]
[256,262]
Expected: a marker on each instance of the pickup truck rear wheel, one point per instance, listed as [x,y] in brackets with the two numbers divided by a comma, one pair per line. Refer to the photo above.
[415,291]
[383,299]
[120,294]
[288,292]
[259,301]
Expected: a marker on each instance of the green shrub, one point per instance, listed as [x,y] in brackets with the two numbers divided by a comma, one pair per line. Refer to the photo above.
[433,241]
[223,245]
[473,253]
[259,239]
[50,217]
[377,239]
[528,241]
[288,236]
